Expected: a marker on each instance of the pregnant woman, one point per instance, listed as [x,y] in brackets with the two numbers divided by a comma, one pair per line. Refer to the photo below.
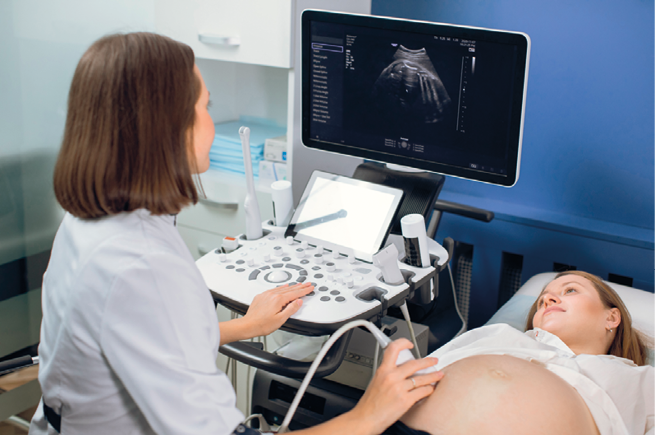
[578,369]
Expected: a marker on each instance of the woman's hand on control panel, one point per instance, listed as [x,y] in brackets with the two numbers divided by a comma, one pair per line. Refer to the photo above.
[267,312]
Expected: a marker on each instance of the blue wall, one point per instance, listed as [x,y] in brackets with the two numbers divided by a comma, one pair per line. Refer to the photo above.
[588,138]
[585,196]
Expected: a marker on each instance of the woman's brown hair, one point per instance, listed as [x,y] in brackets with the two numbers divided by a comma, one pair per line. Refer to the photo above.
[127,140]
[628,343]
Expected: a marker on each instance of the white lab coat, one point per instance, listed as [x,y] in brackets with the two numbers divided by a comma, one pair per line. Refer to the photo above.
[129,336]
[619,394]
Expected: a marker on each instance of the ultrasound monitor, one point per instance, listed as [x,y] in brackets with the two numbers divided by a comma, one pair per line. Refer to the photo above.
[435,97]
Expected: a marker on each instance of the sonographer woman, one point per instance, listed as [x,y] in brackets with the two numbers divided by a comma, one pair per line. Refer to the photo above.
[129,336]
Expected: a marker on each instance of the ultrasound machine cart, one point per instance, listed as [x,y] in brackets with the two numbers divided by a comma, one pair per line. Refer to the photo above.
[427,97]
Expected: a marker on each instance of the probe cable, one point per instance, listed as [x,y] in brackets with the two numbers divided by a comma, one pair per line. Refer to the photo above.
[403,309]
[312,369]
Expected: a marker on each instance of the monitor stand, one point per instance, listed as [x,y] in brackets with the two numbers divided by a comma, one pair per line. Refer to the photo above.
[421,188]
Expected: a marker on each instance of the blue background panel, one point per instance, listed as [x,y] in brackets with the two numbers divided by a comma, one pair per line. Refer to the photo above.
[540,248]
[585,196]
[588,139]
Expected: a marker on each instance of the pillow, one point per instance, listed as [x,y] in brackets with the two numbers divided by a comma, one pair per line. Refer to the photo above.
[514,312]
[640,304]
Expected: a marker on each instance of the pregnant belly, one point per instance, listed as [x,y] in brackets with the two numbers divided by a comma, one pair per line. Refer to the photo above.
[501,394]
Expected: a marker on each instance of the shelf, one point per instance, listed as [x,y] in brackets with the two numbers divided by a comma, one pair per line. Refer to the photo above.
[565,223]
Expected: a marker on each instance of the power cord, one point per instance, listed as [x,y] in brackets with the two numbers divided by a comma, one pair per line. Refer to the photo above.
[262,340]
[263,424]
[452,284]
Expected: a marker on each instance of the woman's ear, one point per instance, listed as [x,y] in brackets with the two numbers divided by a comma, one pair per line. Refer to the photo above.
[613,318]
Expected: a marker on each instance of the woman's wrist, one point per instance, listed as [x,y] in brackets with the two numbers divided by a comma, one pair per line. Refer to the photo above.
[363,421]
[248,327]
[237,329]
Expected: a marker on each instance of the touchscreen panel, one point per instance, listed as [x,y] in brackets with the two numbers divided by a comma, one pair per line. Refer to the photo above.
[343,214]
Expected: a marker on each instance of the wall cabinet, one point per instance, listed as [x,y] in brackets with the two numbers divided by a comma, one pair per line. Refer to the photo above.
[246,31]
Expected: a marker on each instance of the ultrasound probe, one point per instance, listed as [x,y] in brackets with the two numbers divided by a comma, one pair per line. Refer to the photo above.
[253,217]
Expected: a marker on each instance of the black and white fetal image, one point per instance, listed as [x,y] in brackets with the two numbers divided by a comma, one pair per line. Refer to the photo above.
[403,93]
[410,89]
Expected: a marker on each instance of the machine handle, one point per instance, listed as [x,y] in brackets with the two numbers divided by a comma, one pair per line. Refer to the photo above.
[246,353]
[449,246]
[224,40]
[464,210]
[17,363]
[218,204]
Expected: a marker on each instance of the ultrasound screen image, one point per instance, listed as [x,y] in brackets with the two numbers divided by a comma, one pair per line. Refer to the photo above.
[410,89]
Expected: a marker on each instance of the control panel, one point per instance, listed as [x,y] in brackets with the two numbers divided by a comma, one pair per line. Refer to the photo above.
[345,288]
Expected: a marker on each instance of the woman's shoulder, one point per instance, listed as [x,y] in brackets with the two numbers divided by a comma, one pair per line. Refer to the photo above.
[116,242]
[137,229]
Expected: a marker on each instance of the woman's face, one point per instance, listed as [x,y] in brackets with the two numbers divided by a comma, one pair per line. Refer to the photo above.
[570,308]
[203,128]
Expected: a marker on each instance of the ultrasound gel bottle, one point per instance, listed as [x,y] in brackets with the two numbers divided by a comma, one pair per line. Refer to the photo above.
[415,238]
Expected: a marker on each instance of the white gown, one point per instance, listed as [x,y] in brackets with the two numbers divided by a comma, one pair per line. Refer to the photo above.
[129,336]
[619,395]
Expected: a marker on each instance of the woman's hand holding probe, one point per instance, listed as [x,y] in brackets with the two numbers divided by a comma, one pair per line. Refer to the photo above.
[393,389]
[267,312]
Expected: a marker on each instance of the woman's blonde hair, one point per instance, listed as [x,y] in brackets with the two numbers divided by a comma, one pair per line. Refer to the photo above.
[628,343]
[126,144]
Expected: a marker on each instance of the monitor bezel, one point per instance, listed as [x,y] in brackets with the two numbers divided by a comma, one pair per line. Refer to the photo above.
[519,39]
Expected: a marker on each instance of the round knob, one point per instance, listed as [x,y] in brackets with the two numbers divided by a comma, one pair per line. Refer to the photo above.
[222,258]
[267,257]
[304,244]
[330,277]
[319,249]
[350,283]
[250,262]
[319,260]
[331,267]
[300,254]
[278,276]
[340,280]
[280,253]
[289,240]
[351,258]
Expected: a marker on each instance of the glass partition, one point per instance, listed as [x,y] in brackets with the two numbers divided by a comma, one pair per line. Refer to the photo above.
[41,42]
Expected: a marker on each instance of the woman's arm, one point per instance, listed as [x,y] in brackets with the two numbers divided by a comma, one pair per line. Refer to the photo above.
[268,311]
[389,395]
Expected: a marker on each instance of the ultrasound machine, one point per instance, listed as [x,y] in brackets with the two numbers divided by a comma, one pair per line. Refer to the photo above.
[416,101]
